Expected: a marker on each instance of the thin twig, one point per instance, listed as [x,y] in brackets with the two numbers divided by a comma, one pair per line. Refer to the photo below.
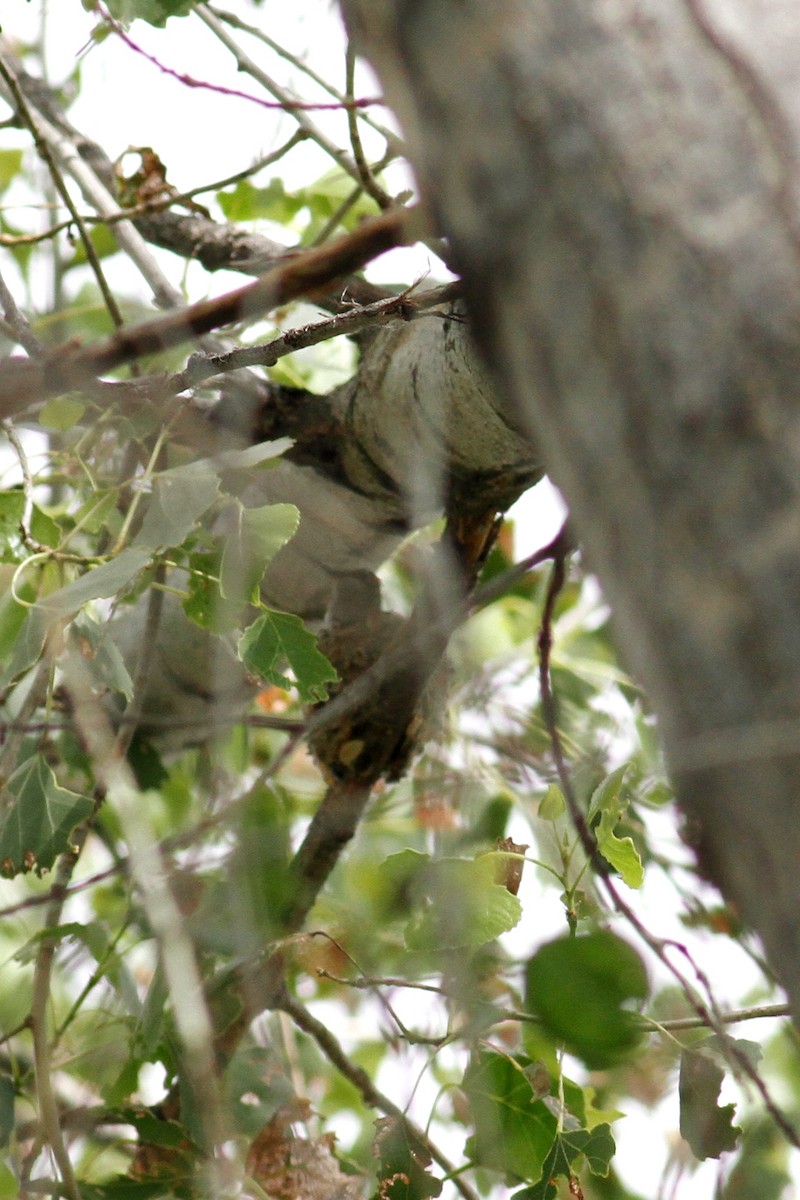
[250,67]
[371,982]
[346,324]
[191,82]
[157,204]
[45,1093]
[189,1012]
[31,121]
[236,22]
[27,488]
[42,974]
[62,141]
[333,1051]
[707,1015]
[368,180]
[24,382]
[18,324]
[757,1013]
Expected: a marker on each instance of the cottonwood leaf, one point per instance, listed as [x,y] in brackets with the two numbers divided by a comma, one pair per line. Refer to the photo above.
[155,12]
[595,1145]
[43,528]
[609,803]
[621,853]
[278,639]
[150,1129]
[707,1126]
[552,805]
[178,501]
[102,653]
[253,538]
[403,1171]
[26,648]
[606,796]
[92,935]
[61,413]
[12,619]
[97,583]
[38,818]
[513,1129]
[578,987]
[464,904]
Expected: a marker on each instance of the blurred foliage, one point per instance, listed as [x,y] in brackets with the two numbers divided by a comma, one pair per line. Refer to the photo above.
[518,1028]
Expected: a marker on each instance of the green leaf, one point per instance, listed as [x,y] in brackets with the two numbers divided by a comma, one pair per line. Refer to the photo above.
[10,164]
[706,1126]
[513,1130]
[276,638]
[43,528]
[38,818]
[606,796]
[100,512]
[552,805]
[101,582]
[9,1184]
[102,654]
[60,413]
[55,933]
[28,646]
[246,202]
[254,537]
[569,1146]
[12,506]
[7,1095]
[150,1128]
[578,986]
[150,1026]
[12,618]
[179,500]
[404,1161]
[609,803]
[622,854]
[464,904]
[155,12]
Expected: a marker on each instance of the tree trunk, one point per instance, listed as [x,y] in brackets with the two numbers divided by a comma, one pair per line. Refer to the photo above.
[619,181]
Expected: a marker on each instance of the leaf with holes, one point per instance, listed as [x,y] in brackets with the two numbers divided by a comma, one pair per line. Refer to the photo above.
[705,1124]
[596,1146]
[403,1171]
[277,640]
[38,818]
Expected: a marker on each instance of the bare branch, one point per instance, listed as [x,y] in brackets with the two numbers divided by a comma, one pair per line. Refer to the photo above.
[24,382]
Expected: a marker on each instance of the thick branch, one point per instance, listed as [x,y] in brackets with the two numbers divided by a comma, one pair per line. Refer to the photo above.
[620,186]
[23,382]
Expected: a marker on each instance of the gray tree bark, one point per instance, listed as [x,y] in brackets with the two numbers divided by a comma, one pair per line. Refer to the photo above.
[619,181]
